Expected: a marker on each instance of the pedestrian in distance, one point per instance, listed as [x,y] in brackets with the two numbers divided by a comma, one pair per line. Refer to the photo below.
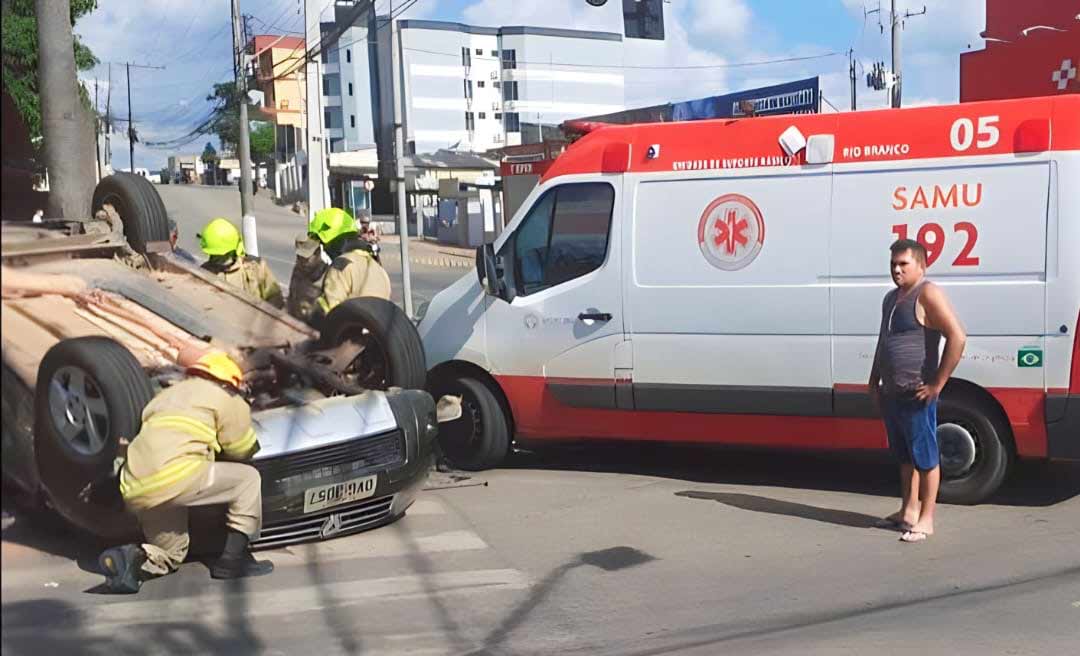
[906,379]
[190,451]
[222,242]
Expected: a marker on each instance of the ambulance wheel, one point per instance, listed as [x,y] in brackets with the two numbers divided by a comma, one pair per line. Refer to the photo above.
[975,453]
[139,206]
[393,354]
[480,438]
[90,392]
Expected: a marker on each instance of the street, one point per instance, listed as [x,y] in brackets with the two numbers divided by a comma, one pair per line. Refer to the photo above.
[605,550]
[192,206]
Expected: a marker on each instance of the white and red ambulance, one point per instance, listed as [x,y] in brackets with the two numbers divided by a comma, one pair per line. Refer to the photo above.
[721,281]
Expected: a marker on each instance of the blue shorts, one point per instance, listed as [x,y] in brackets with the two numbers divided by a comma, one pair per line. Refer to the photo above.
[912,428]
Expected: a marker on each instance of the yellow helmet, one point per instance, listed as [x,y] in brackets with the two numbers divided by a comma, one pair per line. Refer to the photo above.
[220,237]
[219,365]
[330,223]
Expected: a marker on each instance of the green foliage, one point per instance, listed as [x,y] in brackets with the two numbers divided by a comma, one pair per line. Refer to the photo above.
[20,58]
[262,143]
[209,154]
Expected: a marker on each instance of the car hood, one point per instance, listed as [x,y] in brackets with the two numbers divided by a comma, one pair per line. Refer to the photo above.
[322,422]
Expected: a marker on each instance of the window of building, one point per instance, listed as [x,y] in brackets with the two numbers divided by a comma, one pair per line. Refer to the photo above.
[510,91]
[326,86]
[326,118]
[352,120]
[468,88]
[643,19]
[470,121]
[481,84]
[348,56]
[509,58]
[564,236]
[497,84]
[494,53]
[482,115]
[479,51]
[350,88]
[466,57]
[513,122]
[498,116]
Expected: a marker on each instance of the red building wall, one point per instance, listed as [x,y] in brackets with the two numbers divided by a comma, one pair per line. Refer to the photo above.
[1043,63]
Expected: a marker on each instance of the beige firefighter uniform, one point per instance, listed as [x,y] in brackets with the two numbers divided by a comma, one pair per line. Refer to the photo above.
[171,465]
[353,274]
[253,276]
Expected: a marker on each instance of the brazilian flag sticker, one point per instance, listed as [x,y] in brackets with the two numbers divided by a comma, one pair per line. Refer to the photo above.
[1029,357]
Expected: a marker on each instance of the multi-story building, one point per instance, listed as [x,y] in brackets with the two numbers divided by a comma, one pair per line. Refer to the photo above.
[279,74]
[463,87]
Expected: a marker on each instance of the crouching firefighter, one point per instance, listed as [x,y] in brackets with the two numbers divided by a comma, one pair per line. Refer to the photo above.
[189,452]
[222,242]
[333,264]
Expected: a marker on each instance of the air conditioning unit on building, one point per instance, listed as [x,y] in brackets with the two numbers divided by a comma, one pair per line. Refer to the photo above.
[499,137]
[496,105]
[494,75]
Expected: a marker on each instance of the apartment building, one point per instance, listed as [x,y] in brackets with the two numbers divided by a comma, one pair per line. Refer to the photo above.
[464,87]
[279,74]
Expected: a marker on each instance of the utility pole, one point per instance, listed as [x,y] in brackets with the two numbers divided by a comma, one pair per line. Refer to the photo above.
[97,131]
[244,147]
[108,121]
[851,74]
[897,25]
[317,191]
[132,136]
[399,165]
[65,123]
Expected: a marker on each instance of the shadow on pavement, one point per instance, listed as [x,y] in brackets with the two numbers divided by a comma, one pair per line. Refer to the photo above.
[787,508]
[42,530]
[1031,484]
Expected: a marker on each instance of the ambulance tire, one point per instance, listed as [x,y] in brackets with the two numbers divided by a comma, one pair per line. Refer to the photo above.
[102,381]
[140,208]
[480,438]
[400,352]
[969,416]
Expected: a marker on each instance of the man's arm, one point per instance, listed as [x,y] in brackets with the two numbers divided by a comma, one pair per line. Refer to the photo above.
[236,436]
[271,290]
[874,386]
[941,317]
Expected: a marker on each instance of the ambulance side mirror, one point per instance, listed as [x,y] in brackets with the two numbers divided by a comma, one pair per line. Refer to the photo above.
[487,270]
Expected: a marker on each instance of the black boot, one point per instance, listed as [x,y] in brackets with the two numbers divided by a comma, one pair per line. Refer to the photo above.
[236,560]
[123,568]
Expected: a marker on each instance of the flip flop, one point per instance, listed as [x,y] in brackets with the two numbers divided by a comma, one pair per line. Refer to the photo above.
[913,536]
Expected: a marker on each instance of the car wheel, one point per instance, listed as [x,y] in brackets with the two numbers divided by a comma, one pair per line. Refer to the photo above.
[392,356]
[975,456]
[90,392]
[480,438]
[139,206]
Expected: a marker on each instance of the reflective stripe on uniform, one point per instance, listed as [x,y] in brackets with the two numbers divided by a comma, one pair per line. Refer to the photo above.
[193,427]
[174,473]
[241,446]
[324,305]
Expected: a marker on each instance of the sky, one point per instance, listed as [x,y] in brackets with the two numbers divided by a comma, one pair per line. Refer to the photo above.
[193,41]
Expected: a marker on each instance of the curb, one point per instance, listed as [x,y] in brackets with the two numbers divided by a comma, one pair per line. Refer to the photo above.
[436,261]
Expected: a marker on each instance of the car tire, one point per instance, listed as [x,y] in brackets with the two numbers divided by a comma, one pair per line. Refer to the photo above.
[975,452]
[140,208]
[480,438]
[393,354]
[102,380]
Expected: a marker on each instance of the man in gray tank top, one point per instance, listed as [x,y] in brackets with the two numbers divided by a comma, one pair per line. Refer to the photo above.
[906,379]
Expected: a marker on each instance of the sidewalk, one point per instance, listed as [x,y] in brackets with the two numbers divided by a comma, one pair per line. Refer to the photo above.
[430,253]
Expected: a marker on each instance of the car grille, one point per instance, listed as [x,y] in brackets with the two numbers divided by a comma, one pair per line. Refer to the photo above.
[365,514]
[361,456]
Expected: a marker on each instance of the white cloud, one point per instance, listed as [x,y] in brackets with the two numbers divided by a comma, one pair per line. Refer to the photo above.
[552,13]
[724,19]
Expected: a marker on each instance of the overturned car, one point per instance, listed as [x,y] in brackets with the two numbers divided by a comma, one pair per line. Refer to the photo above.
[96,315]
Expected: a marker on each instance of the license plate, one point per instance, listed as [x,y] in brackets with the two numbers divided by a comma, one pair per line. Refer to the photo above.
[328,496]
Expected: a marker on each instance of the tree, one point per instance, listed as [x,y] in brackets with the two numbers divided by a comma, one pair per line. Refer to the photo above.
[262,143]
[209,154]
[20,58]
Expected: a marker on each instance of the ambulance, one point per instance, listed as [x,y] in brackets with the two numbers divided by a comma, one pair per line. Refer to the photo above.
[721,282]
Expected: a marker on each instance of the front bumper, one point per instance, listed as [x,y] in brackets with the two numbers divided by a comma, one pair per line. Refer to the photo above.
[400,459]
[1063,426]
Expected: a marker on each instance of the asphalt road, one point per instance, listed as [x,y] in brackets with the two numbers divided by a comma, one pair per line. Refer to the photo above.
[193,206]
[631,549]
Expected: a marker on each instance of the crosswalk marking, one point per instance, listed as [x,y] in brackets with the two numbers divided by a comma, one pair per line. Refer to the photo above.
[427,506]
[291,602]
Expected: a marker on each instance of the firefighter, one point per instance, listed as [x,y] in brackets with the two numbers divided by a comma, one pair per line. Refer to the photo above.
[334,264]
[222,242]
[195,436]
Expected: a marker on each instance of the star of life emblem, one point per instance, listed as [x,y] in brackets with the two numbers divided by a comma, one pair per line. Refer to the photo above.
[731,232]
[1064,74]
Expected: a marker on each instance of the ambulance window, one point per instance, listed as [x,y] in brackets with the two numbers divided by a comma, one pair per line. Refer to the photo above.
[552,247]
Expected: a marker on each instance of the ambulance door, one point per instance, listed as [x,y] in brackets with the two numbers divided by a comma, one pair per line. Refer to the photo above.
[728,307]
[554,335]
